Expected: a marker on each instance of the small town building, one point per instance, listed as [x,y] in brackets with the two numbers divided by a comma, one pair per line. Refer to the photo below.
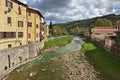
[13,30]
[117,25]
[101,32]
[46,31]
[109,41]
[86,31]
[34,24]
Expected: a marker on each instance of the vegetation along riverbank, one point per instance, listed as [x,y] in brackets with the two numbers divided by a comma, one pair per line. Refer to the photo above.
[104,62]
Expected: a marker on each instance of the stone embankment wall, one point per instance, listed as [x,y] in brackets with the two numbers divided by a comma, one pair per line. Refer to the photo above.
[13,56]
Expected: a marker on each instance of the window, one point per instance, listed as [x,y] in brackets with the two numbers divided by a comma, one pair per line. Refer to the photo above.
[19,10]
[29,24]
[119,28]
[6,1]
[29,13]
[97,33]
[9,45]
[29,35]
[20,34]
[13,35]
[37,35]
[4,35]
[9,4]
[110,34]
[9,21]
[36,25]
[20,23]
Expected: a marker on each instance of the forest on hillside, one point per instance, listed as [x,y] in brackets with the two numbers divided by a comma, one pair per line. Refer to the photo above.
[88,22]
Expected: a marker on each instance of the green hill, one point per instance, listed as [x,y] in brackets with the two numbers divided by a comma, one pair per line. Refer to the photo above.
[88,22]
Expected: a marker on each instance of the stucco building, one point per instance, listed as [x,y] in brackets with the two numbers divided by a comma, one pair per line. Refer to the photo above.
[34,20]
[117,25]
[20,24]
[13,30]
[102,32]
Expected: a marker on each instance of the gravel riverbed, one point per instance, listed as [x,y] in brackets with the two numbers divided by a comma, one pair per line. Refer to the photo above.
[77,67]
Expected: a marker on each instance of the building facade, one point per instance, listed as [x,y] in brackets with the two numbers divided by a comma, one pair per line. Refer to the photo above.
[46,32]
[34,20]
[19,24]
[13,30]
[102,32]
[117,25]
[109,41]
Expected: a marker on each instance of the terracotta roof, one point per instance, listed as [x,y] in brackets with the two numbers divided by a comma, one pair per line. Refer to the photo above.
[103,30]
[103,27]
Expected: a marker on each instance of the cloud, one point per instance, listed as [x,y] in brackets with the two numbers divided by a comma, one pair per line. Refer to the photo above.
[68,10]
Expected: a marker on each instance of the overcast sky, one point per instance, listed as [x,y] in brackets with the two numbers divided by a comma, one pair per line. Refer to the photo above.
[69,10]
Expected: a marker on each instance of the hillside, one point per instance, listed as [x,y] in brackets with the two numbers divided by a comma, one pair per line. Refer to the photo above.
[88,22]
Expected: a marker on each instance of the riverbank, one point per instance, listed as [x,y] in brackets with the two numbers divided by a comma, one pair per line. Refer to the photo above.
[72,66]
[4,74]
[77,67]
[61,42]
[65,63]
[104,62]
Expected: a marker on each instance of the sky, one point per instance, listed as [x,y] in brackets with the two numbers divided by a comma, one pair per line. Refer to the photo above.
[61,11]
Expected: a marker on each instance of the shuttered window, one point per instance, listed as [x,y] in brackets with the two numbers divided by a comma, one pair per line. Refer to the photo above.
[9,21]
[19,10]
[29,24]
[20,34]
[29,35]
[20,23]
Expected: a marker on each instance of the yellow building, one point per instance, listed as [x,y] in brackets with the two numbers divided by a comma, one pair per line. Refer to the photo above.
[34,20]
[13,30]
[45,32]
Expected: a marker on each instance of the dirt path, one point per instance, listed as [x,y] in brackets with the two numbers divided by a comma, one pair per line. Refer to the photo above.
[77,67]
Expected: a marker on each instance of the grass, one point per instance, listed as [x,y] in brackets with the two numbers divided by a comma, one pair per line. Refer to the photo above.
[88,46]
[50,70]
[103,61]
[47,70]
[62,41]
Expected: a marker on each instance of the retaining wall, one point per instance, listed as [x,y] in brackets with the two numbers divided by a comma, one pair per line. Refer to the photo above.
[13,56]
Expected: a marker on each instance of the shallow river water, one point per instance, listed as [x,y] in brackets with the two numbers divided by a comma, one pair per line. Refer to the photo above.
[45,62]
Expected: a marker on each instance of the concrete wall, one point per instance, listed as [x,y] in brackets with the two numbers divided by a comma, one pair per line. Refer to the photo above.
[13,56]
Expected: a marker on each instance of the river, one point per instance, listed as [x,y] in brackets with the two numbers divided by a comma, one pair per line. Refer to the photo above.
[46,67]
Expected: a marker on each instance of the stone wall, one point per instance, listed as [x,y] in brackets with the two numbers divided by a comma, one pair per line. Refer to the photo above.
[116,49]
[13,56]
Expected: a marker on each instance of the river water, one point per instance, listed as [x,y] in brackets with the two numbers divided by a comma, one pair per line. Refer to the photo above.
[45,62]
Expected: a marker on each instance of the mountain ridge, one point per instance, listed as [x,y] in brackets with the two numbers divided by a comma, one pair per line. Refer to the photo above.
[88,22]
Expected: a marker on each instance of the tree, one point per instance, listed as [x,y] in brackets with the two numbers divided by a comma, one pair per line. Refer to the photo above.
[92,26]
[58,31]
[50,26]
[71,31]
[99,22]
[64,31]
[103,22]
[77,31]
